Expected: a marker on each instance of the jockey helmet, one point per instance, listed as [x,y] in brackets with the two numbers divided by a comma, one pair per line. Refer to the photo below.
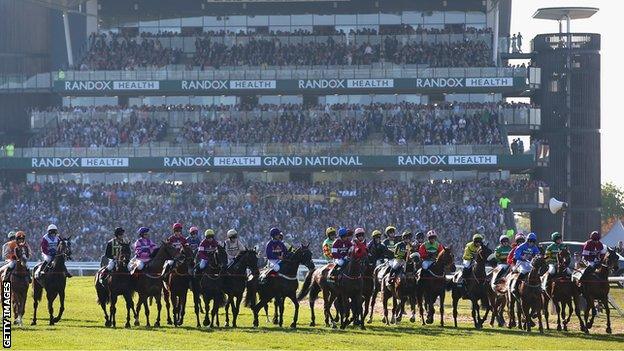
[420,235]
[519,237]
[432,234]
[52,227]
[376,234]
[342,232]
[11,234]
[274,232]
[329,231]
[390,229]
[20,235]
[143,230]
[232,233]
[554,236]
[407,234]
[177,226]
[209,233]
[477,238]
[119,231]
[193,230]
[532,237]
[594,235]
[359,231]
[503,238]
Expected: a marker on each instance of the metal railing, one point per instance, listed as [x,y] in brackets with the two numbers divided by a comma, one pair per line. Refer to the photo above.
[299,149]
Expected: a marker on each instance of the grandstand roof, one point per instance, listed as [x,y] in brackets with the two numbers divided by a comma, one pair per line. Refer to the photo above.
[560,13]
[58,4]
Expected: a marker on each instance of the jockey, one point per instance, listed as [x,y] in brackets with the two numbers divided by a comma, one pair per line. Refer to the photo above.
[275,250]
[469,252]
[390,240]
[430,249]
[49,242]
[593,251]
[500,255]
[178,241]
[552,251]
[208,245]
[519,240]
[525,253]
[233,245]
[330,234]
[113,248]
[193,239]
[5,247]
[11,256]
[340,249]
[359,244]
[144,247]
[375,247]
[401,251]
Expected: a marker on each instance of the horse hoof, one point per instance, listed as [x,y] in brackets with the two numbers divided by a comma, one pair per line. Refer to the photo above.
[33,323]
[558,328]
[107,324]
[169,322]
[127,326]
[565,328]
[413,319]
[312,324]
[136,323]
[293,326]
[157,325]
[609,330]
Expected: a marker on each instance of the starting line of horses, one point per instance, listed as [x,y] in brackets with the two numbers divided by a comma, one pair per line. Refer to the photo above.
[352,293]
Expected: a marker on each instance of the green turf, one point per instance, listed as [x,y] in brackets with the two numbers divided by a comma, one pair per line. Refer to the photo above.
[82,328]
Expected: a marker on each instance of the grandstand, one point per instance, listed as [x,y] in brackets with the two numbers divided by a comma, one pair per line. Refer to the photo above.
[300,114]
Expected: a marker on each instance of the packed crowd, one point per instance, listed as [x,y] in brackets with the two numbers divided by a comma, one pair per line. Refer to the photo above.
[116,52]
[89,212]
[326,30]
[264,52]
[98,132]
[399,123]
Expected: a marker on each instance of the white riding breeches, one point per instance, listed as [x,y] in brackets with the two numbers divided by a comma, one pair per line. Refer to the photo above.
[551,269]
[396,264]
[523,266]
[502,266]
[467,263]
[203,263]
[274,264]
[426,264]
[47,258]
[111,264]
[339,262]
[11,264]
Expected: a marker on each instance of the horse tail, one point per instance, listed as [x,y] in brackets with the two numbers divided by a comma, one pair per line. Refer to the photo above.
[250,296]
[37,290]
[307,283]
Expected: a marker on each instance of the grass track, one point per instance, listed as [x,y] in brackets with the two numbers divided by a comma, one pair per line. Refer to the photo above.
[82,328]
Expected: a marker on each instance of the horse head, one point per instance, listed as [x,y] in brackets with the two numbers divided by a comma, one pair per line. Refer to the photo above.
[483,252]
[63,248]
[123,257]
[249,259]
[446,257]
[538,263]
[169,250]
[563,258]
[303,256]
[611,259]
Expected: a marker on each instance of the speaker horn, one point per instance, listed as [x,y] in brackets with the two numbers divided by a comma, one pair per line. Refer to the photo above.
[555,205]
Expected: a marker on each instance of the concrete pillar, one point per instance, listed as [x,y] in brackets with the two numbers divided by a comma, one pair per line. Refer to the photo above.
[70,55]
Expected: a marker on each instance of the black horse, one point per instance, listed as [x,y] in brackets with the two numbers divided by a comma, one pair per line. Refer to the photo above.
[281,285]
[210,285]
[54,281]
[235,281]
[118,282]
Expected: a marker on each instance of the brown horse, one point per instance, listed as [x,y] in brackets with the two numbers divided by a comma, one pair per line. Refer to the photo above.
[431,285]
[530,294]
[19,284]
[562,291]
[177,284]
[402,290]
[349,287]
[148,282]
[371,284]
[316,281]
[475,288]
[118,282]
[595,287]
[53,282]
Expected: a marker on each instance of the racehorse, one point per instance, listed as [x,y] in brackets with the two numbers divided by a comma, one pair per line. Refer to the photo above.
[402,289]
[475,288]
[595,287]
[177,284]
[118,282]
[19,284]
[54,282]
[211,285]
[562,291]
[282,284]
[148,282]
[315,282]
[371,285]
[349,288]
[431,285]
[235,279]
[530,294]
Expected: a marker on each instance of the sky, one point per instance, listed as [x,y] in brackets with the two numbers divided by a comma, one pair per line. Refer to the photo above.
[605,22]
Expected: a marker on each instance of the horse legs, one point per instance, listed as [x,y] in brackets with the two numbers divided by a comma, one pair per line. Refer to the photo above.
[358,311]
[384,301]
[214,313]
[519,310]
[167,296]
[227,311]
[182,307]
[560,308]
[421,309]
[107,322]
[137,311]
[539,316]
[366,302]
[511,314]
[605,302]
[276,311]
[455,303]
[196,308]
[442,308]
[159,308]
[475,313]
[577,311]
[147,312]
[373,299]
[206,309]
[51,298]
[113,310]
[129,306]
[61,295]
[293,298]
[236,310]
[255,309]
